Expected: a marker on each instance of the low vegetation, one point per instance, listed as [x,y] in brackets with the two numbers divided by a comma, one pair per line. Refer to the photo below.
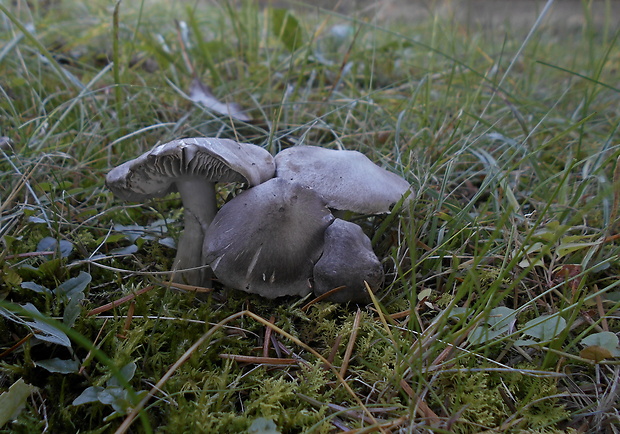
[500,308]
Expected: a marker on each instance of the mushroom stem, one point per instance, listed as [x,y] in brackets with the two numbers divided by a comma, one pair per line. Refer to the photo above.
[200,206]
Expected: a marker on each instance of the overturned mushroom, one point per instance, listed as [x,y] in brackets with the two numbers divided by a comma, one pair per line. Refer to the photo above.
[347,180]
[191,167]
[267,239]
[347,261]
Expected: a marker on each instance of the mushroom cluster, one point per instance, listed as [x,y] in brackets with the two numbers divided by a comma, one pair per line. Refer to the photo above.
[278,237]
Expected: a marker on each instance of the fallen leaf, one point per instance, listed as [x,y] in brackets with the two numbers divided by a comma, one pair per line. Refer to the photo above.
[201,94]
[13,401]
[596,353]
[607,340]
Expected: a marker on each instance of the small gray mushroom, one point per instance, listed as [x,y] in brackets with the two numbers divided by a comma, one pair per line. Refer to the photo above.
[191,167]
[267,239]
[347,180]
[348,260]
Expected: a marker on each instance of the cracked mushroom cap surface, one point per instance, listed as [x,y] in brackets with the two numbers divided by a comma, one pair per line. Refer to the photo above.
[154,173]
[348,260]
[267,239]
[347,180]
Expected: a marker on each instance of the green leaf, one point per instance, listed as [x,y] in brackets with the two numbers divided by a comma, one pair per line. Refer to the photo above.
[614,297]
[525,342]
[567,247]
[73,309]
[73,289]
[122,251]
[607,340]
[287,29]
[460,312]
[126,371]
[41,330]
[168,242]
[263,426]
[49,244]
[114,238]
[131,232]
[545,327]
[110,395]
[35,287]
[90,394]
[530,253]
[499,321]
[13,401]
[59,366]
[75,285]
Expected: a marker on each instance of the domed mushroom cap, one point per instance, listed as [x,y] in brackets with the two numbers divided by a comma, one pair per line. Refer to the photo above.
[347,180]
[267,239]
[156,173]
[191,167]
[348,260]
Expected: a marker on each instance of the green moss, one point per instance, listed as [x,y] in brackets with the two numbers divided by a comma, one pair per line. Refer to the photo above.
[469,395]
[213,401]
[488,400]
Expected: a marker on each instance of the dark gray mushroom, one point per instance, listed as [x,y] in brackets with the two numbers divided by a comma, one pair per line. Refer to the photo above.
[191,167]
[267,239]
[348,260]
[347,180]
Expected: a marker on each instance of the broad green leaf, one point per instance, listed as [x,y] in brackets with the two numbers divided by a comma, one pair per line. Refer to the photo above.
[499,321]
[59,366]
[566,247]
[113,238]
[263,426]
[74,285]
[545,327]
[607,340]
[44,331]
[73,309]
[127,372]
[122,251]
[111,394]
[41,330]
[168,242]
[36,288]
[131,232]
[49,244]
[460,312]
[115,396]
[612,296]
[424,294]
[73,289]
[10,276]
[525,342]
[13,401]
[90,394]
[287,29]
[531,253]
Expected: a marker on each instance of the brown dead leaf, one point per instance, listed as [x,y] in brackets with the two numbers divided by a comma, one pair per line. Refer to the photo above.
[596,353]
[568,273]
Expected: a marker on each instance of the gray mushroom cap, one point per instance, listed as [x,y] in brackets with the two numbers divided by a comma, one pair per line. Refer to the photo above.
[267,239]
[157,172]
[348,260]
[191,167]
[347,180]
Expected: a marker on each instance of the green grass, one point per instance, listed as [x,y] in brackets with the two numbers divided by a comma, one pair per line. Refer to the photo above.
[509,137]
